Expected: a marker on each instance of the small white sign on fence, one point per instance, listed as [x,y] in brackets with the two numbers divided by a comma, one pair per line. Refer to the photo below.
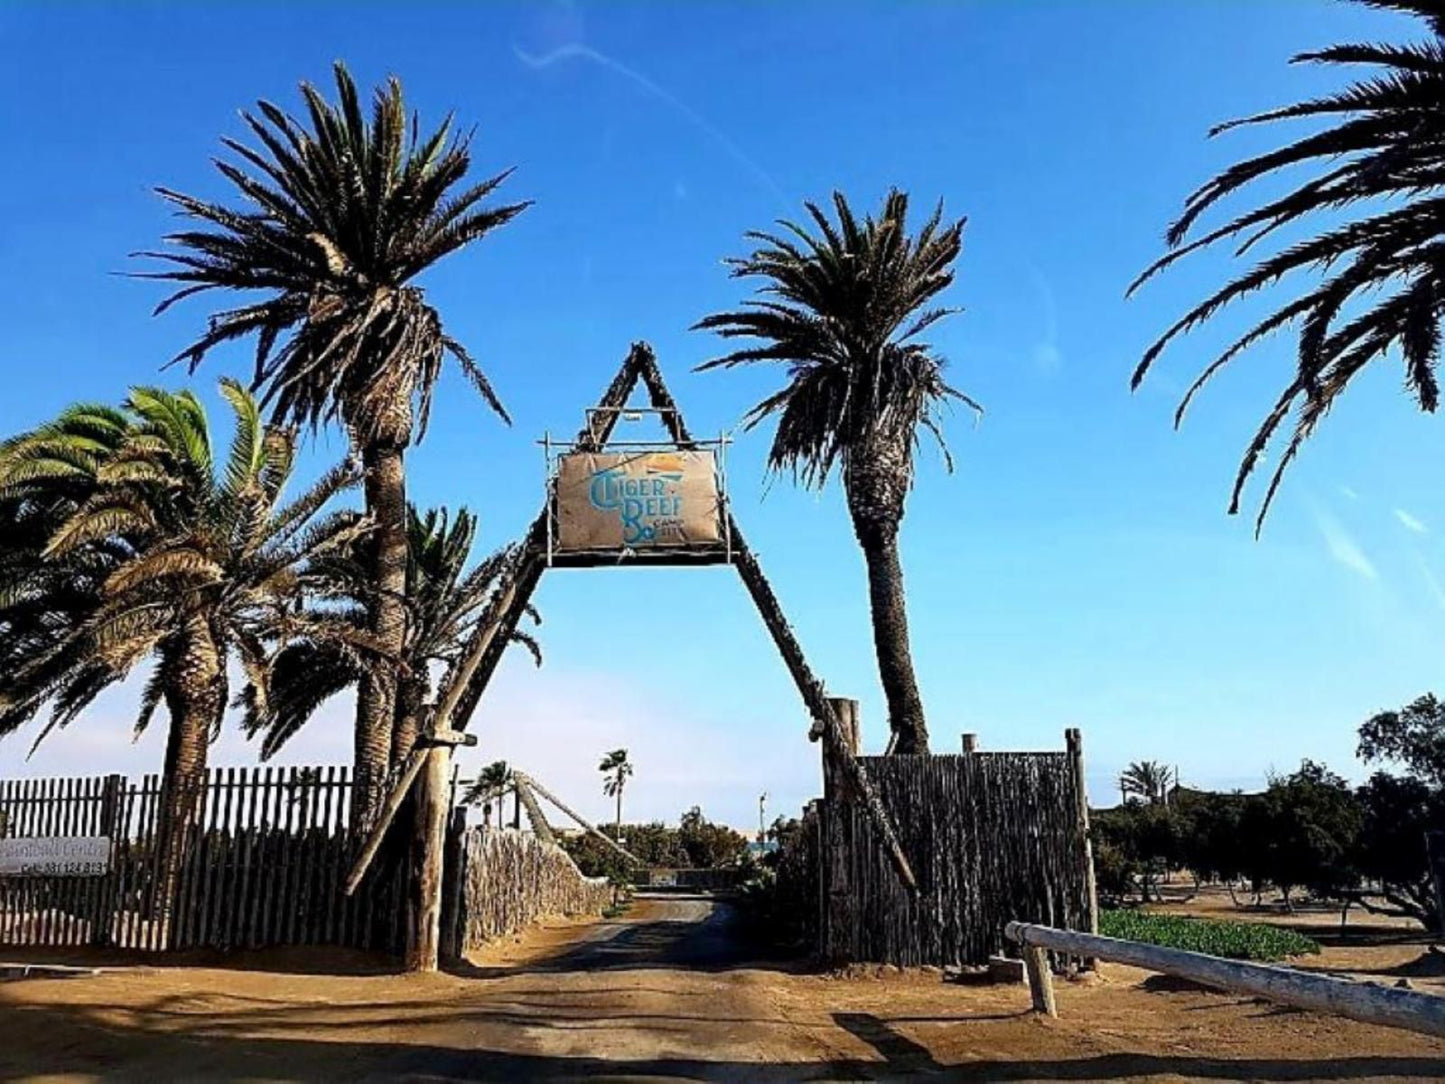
[54,856]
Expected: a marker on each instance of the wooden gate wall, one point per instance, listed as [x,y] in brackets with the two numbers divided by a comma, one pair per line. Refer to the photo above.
[992,838]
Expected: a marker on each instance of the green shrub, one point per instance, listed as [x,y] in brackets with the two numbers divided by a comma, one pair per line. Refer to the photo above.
[1235,940]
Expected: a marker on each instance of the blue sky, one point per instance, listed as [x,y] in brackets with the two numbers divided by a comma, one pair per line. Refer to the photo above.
[1076,570]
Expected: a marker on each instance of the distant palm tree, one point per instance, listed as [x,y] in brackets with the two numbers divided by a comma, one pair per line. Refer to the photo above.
[202,562]
[490,786]
[841,309]
[616,769]
[338,217]
[445,601]
[1146,779]
[1380,253]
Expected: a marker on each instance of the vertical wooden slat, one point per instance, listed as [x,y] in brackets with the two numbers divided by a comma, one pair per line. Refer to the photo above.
[328,908]
[223,884]
[246,836]
[128,795]
[47,810]
[7,892]
[251,904]
[151,929]
[274,885]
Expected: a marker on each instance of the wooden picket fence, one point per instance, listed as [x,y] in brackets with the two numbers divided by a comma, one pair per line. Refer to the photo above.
[264,860]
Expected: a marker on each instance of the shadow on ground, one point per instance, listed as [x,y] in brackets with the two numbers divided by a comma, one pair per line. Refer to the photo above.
[78,1044]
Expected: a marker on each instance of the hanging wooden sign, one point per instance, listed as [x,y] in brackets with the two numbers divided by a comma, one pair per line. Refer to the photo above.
[637,500]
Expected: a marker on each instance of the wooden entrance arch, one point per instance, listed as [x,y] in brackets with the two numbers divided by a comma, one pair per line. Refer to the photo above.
[462,688]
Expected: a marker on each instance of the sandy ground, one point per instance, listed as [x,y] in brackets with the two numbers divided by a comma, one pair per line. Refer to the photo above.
[667,993]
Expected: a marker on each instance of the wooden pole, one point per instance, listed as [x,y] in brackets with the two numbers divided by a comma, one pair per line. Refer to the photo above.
[970,743]
[540,828]
[414,762]
[1074,743]
[424,931]
[839,940]
[409,773]
[825,719]
[585,824]
[1386,1005]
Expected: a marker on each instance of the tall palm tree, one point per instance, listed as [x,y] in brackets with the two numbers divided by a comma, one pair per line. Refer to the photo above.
[1378,258]
[842,309]
[1146,779]
[339,216]
[616,770]
[202,561]
[445,601]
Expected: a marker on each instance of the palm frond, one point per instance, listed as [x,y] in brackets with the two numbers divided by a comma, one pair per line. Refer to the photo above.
[841,308]
[1378,276]
[344,209]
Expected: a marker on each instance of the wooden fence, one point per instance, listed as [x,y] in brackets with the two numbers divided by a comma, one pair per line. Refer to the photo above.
[992,837]
[263,862]
[501,881]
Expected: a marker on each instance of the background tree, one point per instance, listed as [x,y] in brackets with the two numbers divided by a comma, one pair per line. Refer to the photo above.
[445,600]
[1413,737]
[616,769]
[1401,810]
[1210,845]
[1138,843]
[1374,196]
[1304,830]
[1146,779]
[202,563]
[708,845]
[339,216]
[842,309]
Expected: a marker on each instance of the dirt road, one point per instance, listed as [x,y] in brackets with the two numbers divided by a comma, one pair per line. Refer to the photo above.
[663,994]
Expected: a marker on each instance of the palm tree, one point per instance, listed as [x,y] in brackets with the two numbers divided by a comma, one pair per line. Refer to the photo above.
[445,601]
[489,788]
[1380,250]
[1146,779]
[201,562]
[45,475]
[616,769]
[340,216]
[842,309]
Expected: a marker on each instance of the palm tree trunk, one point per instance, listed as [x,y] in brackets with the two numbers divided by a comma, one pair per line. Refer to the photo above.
[376,695]
[196,699]
[617,826]
[890,641]
[875,481]
[410,703]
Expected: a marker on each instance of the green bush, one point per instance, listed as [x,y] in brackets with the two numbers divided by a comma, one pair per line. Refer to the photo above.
[1235,940]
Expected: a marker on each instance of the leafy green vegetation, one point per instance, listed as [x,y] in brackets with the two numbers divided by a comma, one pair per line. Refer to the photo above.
[1235,940]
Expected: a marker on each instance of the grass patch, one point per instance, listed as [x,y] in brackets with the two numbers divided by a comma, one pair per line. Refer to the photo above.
[1234,940]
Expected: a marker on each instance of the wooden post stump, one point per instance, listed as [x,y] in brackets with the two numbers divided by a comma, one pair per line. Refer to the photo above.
[433,792]
[838,941]
[1041,979]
